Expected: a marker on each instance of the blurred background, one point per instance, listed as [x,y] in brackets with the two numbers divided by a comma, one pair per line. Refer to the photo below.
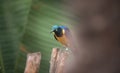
[25,27]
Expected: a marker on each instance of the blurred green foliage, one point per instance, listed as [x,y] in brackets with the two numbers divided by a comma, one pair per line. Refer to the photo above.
[25,27]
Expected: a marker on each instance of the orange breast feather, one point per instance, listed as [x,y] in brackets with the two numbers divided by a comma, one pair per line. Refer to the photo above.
[63,40]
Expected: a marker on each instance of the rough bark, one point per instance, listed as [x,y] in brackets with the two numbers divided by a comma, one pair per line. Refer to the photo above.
[58,60]
[33,62]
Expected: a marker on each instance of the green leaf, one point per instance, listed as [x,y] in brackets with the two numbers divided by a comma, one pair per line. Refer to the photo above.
[13,17]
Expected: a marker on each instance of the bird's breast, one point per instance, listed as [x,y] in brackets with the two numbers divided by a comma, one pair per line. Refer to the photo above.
[63,40]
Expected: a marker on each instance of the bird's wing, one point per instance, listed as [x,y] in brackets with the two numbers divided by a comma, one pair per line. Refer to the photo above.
[68,34]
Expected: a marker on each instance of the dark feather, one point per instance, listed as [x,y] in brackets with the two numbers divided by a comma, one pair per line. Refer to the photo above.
[58,33]
[55,37]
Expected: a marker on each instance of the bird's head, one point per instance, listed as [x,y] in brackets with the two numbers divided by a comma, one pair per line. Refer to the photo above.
[58,30]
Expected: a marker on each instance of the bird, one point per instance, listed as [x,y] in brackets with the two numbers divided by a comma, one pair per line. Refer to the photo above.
[62,34]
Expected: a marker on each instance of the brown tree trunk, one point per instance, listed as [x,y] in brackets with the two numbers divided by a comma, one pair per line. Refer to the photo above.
[33,62]
[97,33]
